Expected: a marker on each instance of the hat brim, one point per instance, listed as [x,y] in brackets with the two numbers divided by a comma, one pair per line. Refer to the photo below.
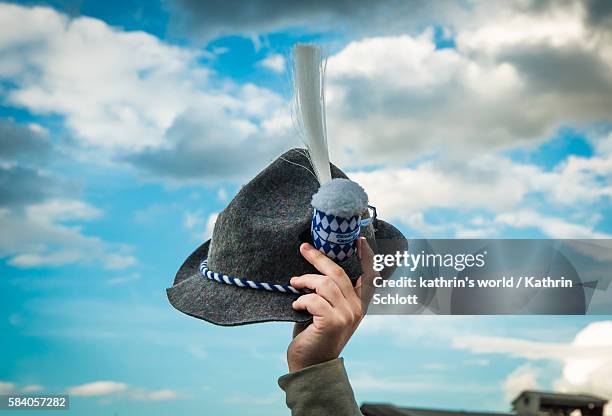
[228,305]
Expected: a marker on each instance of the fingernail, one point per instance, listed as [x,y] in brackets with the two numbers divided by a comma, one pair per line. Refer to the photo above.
[307,247]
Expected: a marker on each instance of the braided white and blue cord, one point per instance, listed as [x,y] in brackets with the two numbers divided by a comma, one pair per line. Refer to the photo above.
[252,284]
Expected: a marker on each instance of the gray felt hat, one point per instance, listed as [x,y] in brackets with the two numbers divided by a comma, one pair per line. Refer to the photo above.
[257,237]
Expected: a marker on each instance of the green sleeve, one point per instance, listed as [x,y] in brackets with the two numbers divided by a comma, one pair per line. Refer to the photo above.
[318,390]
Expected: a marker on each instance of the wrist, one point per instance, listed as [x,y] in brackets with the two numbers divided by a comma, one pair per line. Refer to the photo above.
[297,364]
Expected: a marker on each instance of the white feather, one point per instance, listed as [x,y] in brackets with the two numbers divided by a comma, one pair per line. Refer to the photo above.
[310,102]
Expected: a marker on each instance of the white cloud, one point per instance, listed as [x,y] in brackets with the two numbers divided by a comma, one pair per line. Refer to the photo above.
[153,104]
[120,280]
[559,26]
[114,261]
[6,387]
[222,194]
[115,88]
[98,388]
[586,360]
[58,210]
[155,395]
[398,98]
[489,182]
[274,62]
[210,225]
[551,226]
[521,379]
[499,186]
[114,389]
[191,220]
[202,229]
[32,388]
[129,95]
[579,179]
[590,372]
[42,235]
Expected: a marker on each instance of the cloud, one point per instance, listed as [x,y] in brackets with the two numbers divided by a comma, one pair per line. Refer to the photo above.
[24,153]
[32,388]
[154,396]
[210,225]
[202,229]
[97,388]
[599,14]
[6,387]
[491,93]
[521,379]
[222,194]
[517,195]
[120,280]
[19,142]
[207,144]
[488,182]
[39,236]
[550,226]
[119,92]
[590,372]
[131,97]
[121,390]
[21,185]
[40,211]
[274,62]
[207,20]
[162,109]
[586,360]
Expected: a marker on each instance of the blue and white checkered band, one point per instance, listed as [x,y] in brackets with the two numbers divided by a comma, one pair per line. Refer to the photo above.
[249,284]
[335,236]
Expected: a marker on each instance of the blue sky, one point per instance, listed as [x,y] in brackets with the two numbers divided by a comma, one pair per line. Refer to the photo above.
[125,127]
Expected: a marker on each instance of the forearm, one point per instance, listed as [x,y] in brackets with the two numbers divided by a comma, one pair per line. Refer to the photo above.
[321,389]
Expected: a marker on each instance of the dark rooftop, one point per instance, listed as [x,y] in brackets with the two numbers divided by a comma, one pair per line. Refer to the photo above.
[375,409]
[563,399]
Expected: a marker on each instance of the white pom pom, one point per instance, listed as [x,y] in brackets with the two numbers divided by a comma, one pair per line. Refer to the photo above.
[340,197]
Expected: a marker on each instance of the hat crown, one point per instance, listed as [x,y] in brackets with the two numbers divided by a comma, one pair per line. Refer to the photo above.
[258,235]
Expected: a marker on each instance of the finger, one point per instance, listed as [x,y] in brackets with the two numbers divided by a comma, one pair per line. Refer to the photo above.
[327,267]
[364,293]
[314,304]
[365,287]
[322,285]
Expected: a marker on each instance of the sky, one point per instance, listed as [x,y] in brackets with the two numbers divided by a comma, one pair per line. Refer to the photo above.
[126,126]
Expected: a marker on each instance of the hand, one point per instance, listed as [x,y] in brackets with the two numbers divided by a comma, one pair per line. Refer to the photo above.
[335,305]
